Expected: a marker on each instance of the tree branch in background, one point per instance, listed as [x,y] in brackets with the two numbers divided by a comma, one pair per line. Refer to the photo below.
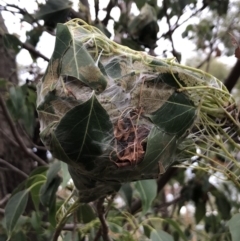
[110,6]
[13,168]
[32,50]
[101,216]
[169,36]
[21,11]
[96,7]
[233,77]
[17,136]
[177,25]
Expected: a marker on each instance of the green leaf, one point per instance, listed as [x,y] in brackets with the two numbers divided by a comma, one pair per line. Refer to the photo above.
[55,11]
[148,191]
[127,193]
[160,235]
[77,62]
[21,105]
[33,35]
[175,225]
[52,209]
[147,230]
[234,227]
[65,174]
[140,3]
[48,190]
[89,126]
[224,207]
[14,209]
[35,185]
[200,211]
[12,42]
[85,213]
[39,170]
[3,83]
[160,149]
[115,228]
[176,115]
[19,236]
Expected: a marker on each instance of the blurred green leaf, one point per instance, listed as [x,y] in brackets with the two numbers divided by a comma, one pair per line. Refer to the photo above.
[65,174]
[12,42]
[140,3]
[127,193]
[223,205]
[86,213]
[200,211]
[21,105]
[14,209]
[34,185]
[147,230]
[19,236]
[234,227]
[160,235]
[144,27]
[55,11]
[175,225]
[3,83]
[115,228]
[53,205]
[33,36]
[39,170]
[147,190]
[48,190]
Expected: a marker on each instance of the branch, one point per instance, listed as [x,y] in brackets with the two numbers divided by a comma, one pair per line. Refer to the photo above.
[23,12]
[31,49]
[233,77]
[13,168]
[170,31]
[110,6]
[101,216]
[174,52]
[96,7]
[17,136]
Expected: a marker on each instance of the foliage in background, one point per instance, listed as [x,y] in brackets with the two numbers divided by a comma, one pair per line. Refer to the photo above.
[182,205]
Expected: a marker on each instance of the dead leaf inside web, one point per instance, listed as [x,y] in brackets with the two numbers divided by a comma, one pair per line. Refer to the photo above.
[130,138]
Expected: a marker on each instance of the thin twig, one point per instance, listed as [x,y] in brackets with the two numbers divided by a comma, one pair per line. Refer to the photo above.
[101,216]
[174,52]
[177,25]
[23,12]
[13,168]
[17,136]
[31,49]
